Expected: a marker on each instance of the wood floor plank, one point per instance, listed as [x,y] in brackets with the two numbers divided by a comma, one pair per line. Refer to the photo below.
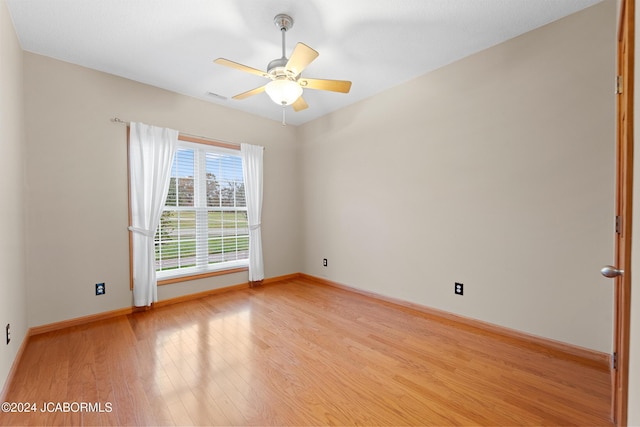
[300,353]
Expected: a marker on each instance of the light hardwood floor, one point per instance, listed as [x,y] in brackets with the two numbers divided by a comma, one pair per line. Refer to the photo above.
[299,353]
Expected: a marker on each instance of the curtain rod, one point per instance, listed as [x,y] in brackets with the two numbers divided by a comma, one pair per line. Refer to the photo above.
[234,144]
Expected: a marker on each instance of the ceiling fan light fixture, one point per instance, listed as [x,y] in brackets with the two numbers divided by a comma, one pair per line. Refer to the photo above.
[283,91]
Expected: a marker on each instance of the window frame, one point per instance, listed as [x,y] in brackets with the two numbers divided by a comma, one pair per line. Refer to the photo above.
[240,265]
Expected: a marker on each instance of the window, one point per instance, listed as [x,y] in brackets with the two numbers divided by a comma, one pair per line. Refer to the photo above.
[203,227]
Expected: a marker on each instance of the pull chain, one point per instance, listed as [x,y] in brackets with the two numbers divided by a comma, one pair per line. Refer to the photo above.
[284,123]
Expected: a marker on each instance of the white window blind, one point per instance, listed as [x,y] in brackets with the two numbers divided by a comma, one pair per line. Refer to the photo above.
[204,222]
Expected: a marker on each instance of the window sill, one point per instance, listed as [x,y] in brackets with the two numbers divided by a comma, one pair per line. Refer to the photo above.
[186,278]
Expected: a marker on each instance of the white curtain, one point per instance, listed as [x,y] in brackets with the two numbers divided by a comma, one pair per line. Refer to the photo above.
[151,151]
[252,171]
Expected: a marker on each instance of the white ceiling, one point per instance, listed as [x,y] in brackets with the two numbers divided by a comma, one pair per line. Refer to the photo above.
[376,44]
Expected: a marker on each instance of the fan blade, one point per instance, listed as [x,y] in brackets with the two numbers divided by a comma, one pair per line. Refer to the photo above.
[240,67]
[249,93]
[299,105]
[302,56]
[342,86]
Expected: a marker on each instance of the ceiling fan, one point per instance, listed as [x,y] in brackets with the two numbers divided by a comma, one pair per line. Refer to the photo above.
[286,85]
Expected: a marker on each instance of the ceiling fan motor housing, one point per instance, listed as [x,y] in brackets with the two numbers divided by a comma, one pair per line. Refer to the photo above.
[277,67]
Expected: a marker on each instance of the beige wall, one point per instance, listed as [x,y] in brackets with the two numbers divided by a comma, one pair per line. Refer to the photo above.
[496,171]
[77,185]
[13,295]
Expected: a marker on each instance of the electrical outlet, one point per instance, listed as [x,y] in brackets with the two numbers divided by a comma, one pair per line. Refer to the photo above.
[459,289]
[324,262]
[8,329]
[100,289]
